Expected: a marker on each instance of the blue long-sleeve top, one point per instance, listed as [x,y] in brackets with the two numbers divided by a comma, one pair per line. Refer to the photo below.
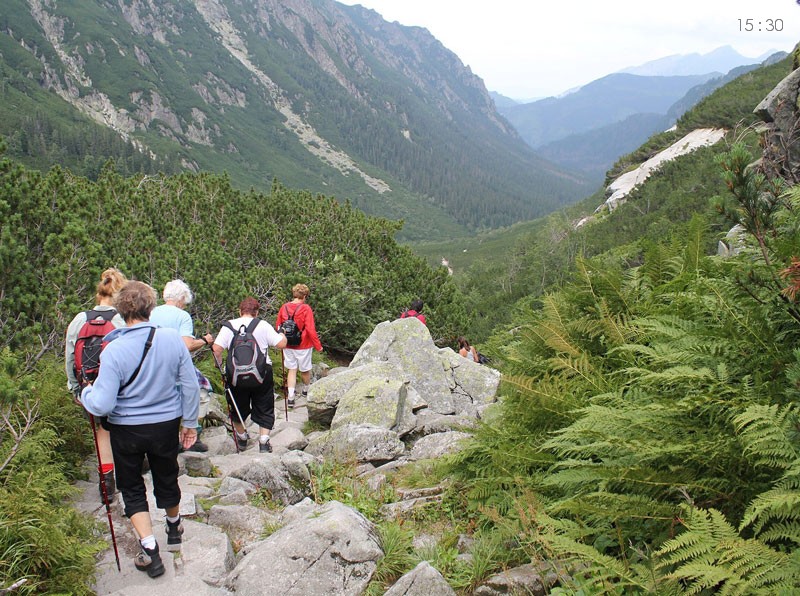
[165,388]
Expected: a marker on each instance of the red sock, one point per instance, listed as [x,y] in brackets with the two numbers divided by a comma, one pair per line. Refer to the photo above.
[106,468]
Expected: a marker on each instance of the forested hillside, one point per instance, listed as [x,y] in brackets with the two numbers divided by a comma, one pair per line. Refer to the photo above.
[537,255]
[59,231]
[318,95]
[648,437]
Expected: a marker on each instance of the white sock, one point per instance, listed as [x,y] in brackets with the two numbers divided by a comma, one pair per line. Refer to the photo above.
[148,542]
[243,435]
[172,520]
[291,392]
[263,439]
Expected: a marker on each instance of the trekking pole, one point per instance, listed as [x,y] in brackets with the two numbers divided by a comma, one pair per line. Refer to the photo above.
[285,390]
[104,490]
[229,400]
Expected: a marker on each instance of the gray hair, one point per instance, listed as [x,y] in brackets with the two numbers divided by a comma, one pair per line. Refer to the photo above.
[177,290]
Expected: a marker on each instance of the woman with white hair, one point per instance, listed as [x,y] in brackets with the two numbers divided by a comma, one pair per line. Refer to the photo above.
[172,315]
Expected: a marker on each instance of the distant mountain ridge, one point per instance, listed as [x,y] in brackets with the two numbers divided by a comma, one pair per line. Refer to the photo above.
[610,99]
[319,95]
[581,144]
[721,60]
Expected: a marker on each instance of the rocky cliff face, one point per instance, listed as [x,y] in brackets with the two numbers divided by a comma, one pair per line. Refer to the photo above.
[780,111]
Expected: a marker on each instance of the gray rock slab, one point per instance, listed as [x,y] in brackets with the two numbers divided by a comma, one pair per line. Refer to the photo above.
[437,445]
[331,552]
[362,443]
[423,580]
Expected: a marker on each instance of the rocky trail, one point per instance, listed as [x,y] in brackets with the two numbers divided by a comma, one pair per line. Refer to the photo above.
[252,525]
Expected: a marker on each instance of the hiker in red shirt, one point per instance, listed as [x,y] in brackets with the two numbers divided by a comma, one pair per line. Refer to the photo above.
[414,310]
[298,356]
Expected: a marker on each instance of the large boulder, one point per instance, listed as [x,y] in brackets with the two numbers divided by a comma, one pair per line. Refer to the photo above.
[242,523]
[476,383]
[268,472]
[325,394]
[362,443]
[406,345]
[377,401]
[781,111]
[436,445]
[332,550]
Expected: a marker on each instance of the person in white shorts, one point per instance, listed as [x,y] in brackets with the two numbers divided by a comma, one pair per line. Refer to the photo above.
[299,357]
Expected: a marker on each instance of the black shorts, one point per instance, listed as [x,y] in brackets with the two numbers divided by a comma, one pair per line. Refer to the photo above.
[159,442]
[256,402]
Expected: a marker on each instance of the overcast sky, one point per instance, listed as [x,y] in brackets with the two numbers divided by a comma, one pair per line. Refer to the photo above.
[527,48]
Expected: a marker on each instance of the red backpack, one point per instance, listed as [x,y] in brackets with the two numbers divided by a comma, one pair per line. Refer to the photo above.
[90,343]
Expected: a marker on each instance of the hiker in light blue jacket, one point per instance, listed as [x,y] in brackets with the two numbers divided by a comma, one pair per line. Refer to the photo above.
[148,388]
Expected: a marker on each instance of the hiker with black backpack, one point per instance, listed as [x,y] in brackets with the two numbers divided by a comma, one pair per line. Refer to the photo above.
[148,389]
[84,342]
[248,370]
[296,321]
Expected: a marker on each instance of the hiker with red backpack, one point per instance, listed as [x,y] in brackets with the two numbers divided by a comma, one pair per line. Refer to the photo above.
[296,320]
[248,371]
[84,342]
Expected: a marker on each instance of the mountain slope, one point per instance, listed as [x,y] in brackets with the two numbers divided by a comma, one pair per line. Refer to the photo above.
[320,95]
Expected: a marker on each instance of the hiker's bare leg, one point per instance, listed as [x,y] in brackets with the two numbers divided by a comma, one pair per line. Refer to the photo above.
[104,445]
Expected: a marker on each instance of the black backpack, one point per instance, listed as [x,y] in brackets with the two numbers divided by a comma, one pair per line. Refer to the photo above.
[246,365]
[290,328]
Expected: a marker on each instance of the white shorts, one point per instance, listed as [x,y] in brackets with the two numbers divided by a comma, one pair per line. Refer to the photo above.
[299,359]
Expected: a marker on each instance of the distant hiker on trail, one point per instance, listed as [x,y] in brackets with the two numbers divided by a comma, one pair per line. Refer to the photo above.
[148,389]
[466,350]
[414,310]
[249,370]
[298,355]
[105,318]
[172,315]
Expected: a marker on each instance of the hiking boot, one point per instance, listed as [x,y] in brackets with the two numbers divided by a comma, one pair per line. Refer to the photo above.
[290,403]
[198,446]
[174,535]
[265,447]
[241,442]
[110,484]
[148,559]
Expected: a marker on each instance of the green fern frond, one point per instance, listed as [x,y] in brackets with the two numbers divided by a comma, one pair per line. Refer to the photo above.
[607,574]
[769,433]
[673,376]
[711,555]
[775,514]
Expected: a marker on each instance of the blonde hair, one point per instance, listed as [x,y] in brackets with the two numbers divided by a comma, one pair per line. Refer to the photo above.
[300,291]
[111,281]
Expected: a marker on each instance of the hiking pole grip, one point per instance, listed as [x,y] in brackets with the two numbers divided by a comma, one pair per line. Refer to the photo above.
[104,490]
